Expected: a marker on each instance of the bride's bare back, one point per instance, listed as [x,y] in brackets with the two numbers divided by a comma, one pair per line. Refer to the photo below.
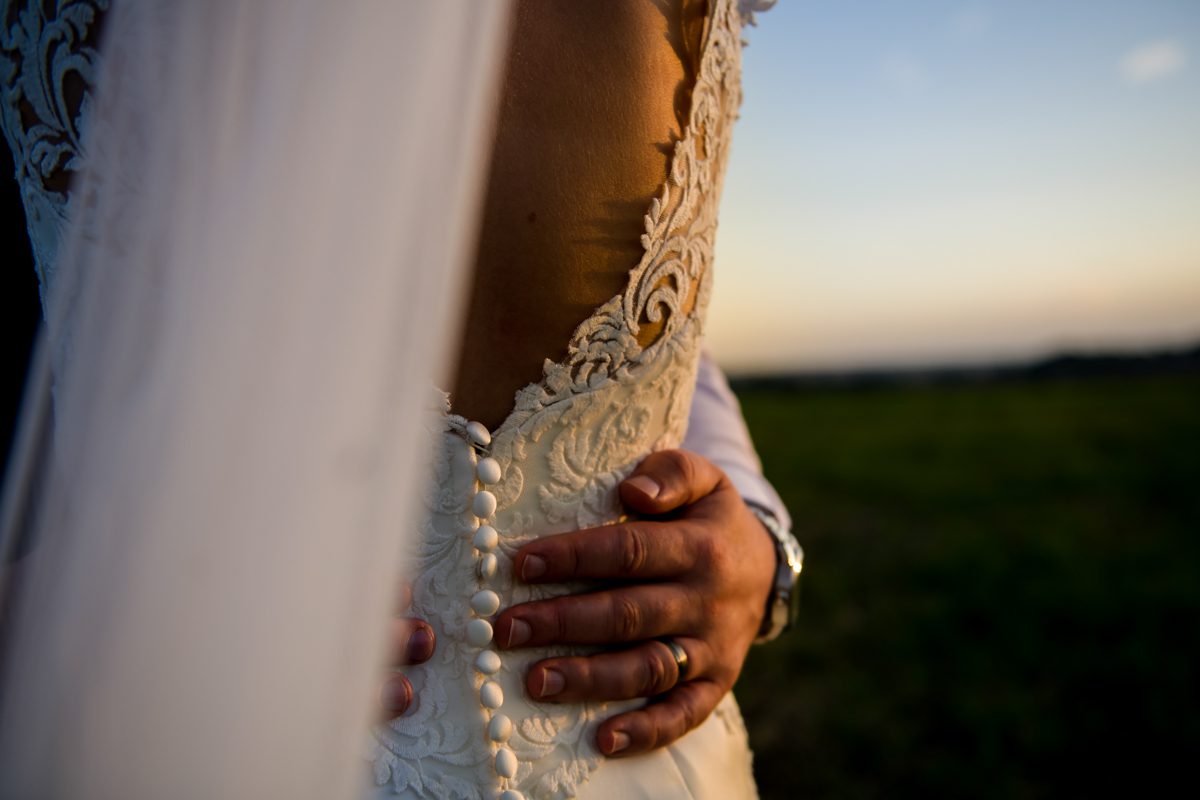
[596,93]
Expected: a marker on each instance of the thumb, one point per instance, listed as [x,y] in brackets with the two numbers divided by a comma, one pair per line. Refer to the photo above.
[668,480]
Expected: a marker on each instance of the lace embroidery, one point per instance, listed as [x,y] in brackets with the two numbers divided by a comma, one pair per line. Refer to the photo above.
[48,61]
[566,445]
[747,9]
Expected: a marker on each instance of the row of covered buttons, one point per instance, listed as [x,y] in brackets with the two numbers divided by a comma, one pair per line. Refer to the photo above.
[485,603]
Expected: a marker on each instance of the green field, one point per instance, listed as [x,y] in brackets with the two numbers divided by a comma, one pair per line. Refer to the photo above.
[1002,590]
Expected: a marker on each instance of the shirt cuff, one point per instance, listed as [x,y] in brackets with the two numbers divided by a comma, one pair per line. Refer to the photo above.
[717,431]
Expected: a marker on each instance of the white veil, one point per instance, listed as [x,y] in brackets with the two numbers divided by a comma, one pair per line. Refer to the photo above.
[259,286]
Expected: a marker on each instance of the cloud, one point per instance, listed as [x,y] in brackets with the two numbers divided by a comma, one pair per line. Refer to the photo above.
[1152,61]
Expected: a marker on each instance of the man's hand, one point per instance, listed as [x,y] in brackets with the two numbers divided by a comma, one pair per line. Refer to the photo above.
[697,568]
[412,642]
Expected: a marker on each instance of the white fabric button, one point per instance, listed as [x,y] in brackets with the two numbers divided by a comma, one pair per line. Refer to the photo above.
[511,794]
[479,632]
[485,603]
[500,728]
[491,695]
[488,470]
[506,763]
[486,538]
[488,662]
[484,504]
[487,565]
[477,432]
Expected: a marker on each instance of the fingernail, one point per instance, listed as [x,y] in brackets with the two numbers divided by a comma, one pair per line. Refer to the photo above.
[647,485]
[519,633]
[396,695]
[420,646]
[620,740]
[532,567]
[553,682]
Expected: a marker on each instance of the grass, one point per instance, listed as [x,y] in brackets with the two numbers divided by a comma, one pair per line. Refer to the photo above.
[1002,590]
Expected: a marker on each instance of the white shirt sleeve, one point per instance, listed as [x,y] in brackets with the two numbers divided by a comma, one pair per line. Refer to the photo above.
[717,431]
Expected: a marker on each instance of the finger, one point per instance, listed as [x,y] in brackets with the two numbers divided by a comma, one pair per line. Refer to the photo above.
[669,479]
[395,696]
[662,722]
[412,641]
[643,671]
[645,549]
[628,614]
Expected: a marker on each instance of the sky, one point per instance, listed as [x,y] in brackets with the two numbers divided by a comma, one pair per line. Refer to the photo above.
[937,182]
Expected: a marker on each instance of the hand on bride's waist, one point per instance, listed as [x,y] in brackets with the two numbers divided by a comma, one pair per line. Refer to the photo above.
[412,642]
[695,571]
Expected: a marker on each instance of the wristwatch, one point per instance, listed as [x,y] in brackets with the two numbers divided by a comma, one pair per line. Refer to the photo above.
[783,604]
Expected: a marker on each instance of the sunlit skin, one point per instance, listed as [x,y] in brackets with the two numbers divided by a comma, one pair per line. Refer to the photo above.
[595,95]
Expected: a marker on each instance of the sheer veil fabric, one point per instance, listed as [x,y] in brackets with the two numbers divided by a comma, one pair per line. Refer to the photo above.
[259,283]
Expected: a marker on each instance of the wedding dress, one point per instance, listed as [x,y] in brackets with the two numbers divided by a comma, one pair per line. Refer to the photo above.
[553,465]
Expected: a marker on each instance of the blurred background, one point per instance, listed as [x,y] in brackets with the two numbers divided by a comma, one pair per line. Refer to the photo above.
[959,291]
[948,181]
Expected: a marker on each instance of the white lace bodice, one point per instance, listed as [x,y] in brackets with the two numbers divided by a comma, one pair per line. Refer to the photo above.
[567,443]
